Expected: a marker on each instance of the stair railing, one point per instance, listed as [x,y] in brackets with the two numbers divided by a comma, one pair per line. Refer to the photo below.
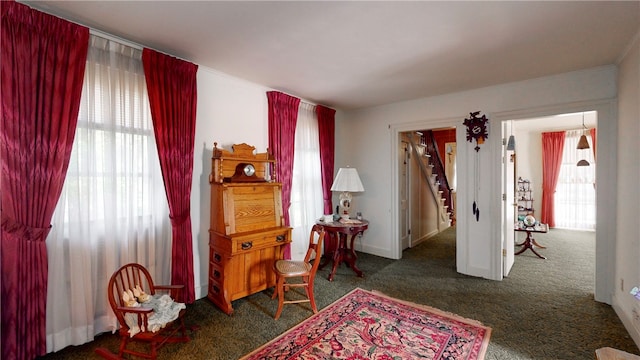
[433,186]
[431,148]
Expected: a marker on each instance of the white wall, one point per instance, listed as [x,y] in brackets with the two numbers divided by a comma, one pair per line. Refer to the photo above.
[627,265]
[368,139]
[230,111]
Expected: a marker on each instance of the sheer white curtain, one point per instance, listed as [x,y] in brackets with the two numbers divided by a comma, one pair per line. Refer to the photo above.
[113,209]
[306,187]
[575,197]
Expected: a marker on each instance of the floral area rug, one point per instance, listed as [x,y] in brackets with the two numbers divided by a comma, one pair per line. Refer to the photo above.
[370,325]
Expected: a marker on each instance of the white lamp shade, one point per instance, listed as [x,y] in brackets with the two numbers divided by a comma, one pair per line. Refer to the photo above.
[347,180]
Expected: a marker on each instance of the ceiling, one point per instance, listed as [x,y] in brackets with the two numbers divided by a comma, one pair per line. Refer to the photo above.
[570,121]
[354,54]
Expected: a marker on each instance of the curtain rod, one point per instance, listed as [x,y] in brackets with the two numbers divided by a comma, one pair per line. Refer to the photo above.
[92,31]
[129,43]
[120,40]
[132,44]
[105,35]
[302,101]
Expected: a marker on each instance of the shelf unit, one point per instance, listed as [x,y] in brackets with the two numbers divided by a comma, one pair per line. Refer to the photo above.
[524,198]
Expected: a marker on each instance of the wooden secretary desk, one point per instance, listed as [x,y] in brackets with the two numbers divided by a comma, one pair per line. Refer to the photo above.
[247,231]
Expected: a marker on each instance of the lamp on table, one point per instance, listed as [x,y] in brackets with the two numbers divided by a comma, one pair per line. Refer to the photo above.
[347,181]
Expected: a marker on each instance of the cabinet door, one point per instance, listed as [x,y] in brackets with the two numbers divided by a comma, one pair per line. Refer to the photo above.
[240,208]
[259,264]
[252,272]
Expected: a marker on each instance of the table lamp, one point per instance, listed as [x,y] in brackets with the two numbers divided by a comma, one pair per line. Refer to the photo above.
[347,181]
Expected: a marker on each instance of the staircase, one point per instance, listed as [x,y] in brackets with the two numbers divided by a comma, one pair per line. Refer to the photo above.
[432,168]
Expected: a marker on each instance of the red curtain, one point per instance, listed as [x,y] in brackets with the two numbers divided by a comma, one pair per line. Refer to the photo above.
[171,84]
[43,62]
[283,116]
[552,147]
[326,129]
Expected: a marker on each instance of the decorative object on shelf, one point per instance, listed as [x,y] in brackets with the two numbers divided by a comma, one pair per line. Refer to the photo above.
[529,221]
[476,129]
[635,292]
[347,181]
[336,216]
[242,164]
[245,172]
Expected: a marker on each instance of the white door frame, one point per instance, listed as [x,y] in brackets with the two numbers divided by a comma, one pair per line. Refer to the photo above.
[405,209]
[396,131]
[508,201]
[606,175]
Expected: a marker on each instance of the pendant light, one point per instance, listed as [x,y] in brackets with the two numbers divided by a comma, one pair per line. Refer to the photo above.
[511,144]
[583,143]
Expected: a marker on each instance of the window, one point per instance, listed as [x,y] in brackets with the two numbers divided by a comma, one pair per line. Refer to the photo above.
[306,185]
[575,197]
[113,208]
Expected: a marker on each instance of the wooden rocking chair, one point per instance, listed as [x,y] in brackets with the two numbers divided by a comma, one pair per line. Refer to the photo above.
[135,276]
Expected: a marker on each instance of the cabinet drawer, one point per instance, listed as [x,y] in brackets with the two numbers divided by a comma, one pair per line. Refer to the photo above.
[257,242]
[216,272]
[216,256]
[215,288]
[226,246]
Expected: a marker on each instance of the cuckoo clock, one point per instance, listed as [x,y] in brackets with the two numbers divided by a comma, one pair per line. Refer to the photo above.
[476,128]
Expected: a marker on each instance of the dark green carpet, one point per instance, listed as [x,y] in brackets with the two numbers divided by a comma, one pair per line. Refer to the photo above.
[543,310]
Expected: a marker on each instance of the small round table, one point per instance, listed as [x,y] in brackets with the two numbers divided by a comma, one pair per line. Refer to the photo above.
[530,242]
[338,248]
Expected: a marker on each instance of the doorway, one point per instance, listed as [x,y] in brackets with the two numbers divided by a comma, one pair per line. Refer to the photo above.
[529,169]
[426,166]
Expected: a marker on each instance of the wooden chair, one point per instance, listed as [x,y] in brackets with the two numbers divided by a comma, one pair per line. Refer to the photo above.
[305,270]
[131,276]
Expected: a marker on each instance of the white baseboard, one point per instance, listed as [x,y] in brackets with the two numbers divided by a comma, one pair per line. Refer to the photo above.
[627,321]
